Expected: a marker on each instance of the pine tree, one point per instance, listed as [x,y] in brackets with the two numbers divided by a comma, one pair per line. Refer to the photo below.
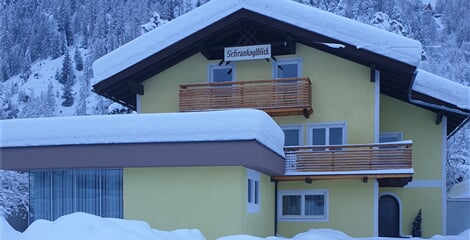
[77,57]
[416,225]
[67,96]
[66,73]
[50,99]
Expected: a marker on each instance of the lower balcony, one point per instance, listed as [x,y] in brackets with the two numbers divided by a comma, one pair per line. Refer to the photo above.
[390,163]
[277,97]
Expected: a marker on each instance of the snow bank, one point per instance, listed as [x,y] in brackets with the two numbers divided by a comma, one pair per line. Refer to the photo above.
[442,89]
[229,125]
[330,234]
[6,231]
[460,190]
[331,25]
[79,226]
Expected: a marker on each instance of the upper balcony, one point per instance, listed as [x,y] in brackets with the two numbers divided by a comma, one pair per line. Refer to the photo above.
[390,163]
[277,97]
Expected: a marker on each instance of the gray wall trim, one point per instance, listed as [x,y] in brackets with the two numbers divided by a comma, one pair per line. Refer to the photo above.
[249,153]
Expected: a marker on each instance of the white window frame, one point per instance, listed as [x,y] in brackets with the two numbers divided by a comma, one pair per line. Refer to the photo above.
[253,180]
[298,127]
[312,126]
[278,62]
[302,217]
[211,67]
[397,135]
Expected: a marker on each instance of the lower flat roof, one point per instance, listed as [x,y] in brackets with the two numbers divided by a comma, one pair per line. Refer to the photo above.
[248,153]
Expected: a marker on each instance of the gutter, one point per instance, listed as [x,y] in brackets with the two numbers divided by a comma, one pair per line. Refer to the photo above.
[435,106]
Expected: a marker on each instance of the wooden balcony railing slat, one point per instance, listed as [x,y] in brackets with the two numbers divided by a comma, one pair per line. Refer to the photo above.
[348,157]
[277,97]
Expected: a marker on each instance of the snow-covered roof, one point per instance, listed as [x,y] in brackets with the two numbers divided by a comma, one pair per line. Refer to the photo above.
[442,89]
[360,35]
[229,125]
[460,190]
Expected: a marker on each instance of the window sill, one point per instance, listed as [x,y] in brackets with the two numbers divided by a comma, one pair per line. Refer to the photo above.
[302,219]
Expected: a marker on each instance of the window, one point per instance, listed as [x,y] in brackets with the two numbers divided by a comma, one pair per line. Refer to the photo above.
[327,134]
[55,193]
[303,205]
[253,191]
[287,68]
[390,137]
[292,135]
[223,73]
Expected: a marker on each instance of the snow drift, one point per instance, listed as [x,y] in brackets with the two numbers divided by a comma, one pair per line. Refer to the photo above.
[78,226]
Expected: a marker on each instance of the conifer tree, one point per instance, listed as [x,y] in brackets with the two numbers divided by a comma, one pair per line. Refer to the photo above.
[67,96]
[66,73]
[416,225]
[78,60]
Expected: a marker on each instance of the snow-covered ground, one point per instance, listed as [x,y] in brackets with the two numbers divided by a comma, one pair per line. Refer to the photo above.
[79,226]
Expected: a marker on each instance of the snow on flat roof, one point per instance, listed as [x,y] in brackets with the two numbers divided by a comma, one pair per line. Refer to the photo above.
[334,26]
[229,125]
[442,89]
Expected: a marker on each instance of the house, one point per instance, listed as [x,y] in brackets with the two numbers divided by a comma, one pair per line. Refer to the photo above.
[364,129]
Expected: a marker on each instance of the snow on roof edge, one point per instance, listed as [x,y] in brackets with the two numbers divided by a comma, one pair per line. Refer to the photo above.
[227,125]
[443,89]
[364,36]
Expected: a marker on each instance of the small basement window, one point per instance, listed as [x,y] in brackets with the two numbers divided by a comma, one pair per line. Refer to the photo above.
[303,205]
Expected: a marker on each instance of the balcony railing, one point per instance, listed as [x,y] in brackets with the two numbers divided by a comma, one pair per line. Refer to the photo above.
[346,158]
[277,97]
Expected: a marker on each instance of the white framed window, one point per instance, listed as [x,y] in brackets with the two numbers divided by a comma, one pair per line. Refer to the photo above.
[253,191]
[327,133]
[390,137]
[303,205]
[293,135]
[221,73]
[287,68]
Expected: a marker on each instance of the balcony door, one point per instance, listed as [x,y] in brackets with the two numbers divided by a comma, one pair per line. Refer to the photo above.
[287,68]
[222,73]
[389,216]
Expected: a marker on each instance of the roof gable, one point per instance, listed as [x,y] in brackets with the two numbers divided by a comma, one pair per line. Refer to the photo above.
[333,27]
[281,23]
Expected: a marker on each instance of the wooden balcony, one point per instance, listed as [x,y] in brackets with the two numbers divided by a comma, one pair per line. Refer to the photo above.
[277,97]
[382,161]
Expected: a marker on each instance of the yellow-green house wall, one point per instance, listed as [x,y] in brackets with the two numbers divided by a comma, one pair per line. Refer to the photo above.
[341,89]
[212,199]
[341,92]
[429,200]
[417,124]
[350,207]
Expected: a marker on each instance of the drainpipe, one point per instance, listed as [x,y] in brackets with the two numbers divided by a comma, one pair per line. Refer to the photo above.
[426,104]
[275,207]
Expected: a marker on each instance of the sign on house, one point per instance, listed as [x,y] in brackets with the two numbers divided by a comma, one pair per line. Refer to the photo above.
[247,52]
